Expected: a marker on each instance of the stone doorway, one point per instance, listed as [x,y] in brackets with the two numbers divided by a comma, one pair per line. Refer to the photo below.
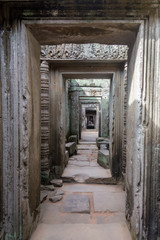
[26,109]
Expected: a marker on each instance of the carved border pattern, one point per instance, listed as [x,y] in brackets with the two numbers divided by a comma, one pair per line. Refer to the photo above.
[124,141]
[44,116]
[84,52]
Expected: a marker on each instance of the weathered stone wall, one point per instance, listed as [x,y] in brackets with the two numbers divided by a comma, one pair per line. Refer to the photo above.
[115,123]
[20,75]
[1,164]
[67,101]
[32,133]
[151,129]
[135,164]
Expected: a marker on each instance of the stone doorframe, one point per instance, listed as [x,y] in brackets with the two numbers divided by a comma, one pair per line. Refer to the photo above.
[58,76]
[143,128]
[95,106]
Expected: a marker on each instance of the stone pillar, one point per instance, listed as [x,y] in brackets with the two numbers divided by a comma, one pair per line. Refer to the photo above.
[45,165]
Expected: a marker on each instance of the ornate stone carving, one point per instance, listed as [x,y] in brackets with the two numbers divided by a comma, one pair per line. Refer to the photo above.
[125,101]
[84,52]
[44,116]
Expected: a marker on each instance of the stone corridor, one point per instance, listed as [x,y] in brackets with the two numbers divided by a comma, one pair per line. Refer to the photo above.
[86,211]
[83,167]
[69,68]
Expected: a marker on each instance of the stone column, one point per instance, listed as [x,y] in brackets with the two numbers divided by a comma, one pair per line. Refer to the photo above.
[45,165]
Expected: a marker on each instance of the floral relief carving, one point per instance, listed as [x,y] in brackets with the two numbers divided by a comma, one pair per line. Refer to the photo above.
[84,51]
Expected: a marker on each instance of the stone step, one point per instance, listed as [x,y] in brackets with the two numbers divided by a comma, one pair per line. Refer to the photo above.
[109,231]
[86,143]
[89,180]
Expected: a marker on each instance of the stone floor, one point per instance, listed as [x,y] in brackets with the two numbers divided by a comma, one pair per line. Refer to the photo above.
[87,211]
[83,167]
[89,135]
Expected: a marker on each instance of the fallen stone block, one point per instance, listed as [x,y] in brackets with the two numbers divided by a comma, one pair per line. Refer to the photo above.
[103,158]
[66,158]
[71,147]
[57,182]
[73,138]
[104,143]
[55,199]
[43,197]
[58,192]
[47,187]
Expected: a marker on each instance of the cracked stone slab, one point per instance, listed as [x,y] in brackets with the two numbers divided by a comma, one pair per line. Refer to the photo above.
[75,204]
[87,175]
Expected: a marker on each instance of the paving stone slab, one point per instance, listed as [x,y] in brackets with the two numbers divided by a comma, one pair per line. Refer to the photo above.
[79,163]
[79,158]
[104,201]
[75,204]
[112,231]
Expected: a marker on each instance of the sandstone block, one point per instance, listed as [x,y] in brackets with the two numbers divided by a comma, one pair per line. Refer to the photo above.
[57,182]
[66,158]
[71,147]
[43,197]
[103,158]
[47,187]
[104,142]
[56,198]
[73,138]
[58,192]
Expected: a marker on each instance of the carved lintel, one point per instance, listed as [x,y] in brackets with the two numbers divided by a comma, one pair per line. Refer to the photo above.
[92,51]
[44,116]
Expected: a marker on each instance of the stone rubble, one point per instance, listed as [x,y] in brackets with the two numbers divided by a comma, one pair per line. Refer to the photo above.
[43,197]
[57,182]
[47,187]
[55,199]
